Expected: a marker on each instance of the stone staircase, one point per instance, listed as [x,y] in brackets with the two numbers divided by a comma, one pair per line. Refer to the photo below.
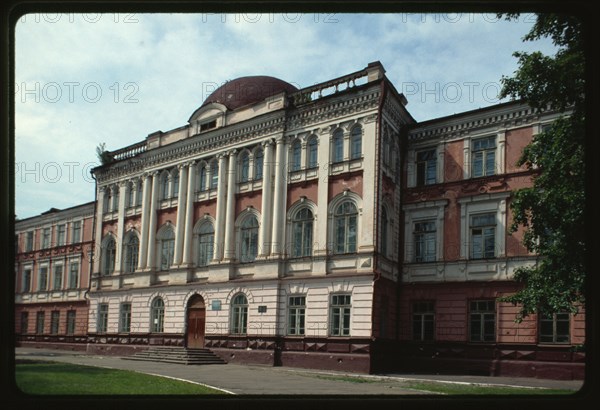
[178,355]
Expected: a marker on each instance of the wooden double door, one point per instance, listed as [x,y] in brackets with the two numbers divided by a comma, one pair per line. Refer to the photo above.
[196,322]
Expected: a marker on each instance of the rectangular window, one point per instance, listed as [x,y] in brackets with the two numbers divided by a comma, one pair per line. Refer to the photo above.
[483,236]
[29,242]
[54,322]
[76,232]
[296,311]
[554,328]
[426,167]
[61,235]
[424,240]
[167,254]
[482,320]
[24,323]
[39,323]
[58,273]
[26,280]
[71,316]
[484,156]
[73,275]
[340,315]
[125,318]
[46,238]
[43,278]
[102,322]
[423,321]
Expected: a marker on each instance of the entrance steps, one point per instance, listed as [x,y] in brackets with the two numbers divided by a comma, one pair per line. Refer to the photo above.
[178,355]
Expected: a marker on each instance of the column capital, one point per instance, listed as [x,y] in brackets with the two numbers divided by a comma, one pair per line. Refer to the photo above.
[191,164]
[221,155]
[280,139]
[232,153]
[123,184]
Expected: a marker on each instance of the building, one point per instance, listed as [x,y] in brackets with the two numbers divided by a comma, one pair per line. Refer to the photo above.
[52,277]
[325,228]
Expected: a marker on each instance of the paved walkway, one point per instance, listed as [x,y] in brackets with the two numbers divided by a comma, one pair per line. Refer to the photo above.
[252,380]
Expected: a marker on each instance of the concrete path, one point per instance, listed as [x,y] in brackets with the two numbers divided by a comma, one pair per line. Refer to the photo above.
[260,380]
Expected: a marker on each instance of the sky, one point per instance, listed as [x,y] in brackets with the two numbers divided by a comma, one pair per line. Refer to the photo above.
[86,79]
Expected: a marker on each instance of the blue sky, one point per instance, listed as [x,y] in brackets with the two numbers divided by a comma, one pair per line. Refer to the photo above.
[84,79]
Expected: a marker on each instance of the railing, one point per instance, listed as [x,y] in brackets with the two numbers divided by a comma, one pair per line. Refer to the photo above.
[327,88]
[129,151]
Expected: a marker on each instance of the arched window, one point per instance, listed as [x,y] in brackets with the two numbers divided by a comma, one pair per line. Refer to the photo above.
[175,182]
[108,256]
[214,174]
[337,148]
[244,166]
[384,232]
[313,152]
[302,229]
[202,179]
[239,314]
[206,238]
[130,194]
[296,158]
[345,224]
[157,315]
[132,248]
[258,164]
[164,185]
[167,247]
[356,142]
[249,239]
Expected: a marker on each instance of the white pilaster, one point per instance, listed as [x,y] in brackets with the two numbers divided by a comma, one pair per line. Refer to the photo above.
[189,214]
[181,209]
[221,206]
[123,194]
[280,196]
[230,212]
[151,257]
[264,231]
[320,246]
[500,164]
[146,189]
[98,238]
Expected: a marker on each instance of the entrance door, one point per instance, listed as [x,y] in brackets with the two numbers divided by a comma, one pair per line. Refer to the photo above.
[196,318]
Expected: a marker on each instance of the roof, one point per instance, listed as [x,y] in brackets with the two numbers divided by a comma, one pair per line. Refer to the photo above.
[248,90]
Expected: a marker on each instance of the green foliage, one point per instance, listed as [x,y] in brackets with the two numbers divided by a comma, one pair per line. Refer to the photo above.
[50,378]
[103,155]
[552,210]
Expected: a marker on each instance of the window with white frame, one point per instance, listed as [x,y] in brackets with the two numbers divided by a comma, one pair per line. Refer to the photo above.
[337,146]
[239,314]
[356,142]
[71,320]
[296,314]
[61,234]
[73,274]
[54,322]
[130,195]
[157,315]
[125,317]
[339,315]
[132,249]
[244,166]
[345,225]
[102,321]
[39,322]
[302,231]
[26,285]
[483,156]
[483,236]
[202,180]
[175,183]
[166,240]
[46,234]
[58,275]
[258,163]
[43,278]
[482,320]
[554,328]
[296,156]
[108,256]
[76,232]
[29,241]
[426,167]
[214,174]
[423,315]
[313,152]
[249,239]
[206,238]
[424,239]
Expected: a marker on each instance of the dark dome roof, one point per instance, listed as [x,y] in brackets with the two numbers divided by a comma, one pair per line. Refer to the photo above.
[247,90]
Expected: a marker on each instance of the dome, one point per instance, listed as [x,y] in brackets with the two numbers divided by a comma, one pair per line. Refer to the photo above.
[247,90]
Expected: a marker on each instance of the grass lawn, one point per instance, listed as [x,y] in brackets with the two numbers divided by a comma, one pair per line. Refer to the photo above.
[67,379]
[450,388]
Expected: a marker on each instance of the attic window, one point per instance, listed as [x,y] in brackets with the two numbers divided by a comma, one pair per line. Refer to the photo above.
[208,125]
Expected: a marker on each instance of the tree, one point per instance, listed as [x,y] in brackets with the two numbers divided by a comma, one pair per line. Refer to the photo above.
[103,155]
[552,210]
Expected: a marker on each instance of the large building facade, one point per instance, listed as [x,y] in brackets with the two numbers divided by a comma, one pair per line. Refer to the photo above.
[323,227]
[52,272]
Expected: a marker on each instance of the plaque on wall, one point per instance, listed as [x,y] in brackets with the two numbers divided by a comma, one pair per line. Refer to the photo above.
[216,305]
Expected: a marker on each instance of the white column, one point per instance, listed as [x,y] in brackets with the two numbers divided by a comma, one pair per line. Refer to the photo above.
[266,208]
[320,248]
[221,202]
[277,247]
[466,158]
[500,160]
[230,210]
[98,239]
[123,192]
[151,259]
[146,189]
[189,215]
[181,209]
